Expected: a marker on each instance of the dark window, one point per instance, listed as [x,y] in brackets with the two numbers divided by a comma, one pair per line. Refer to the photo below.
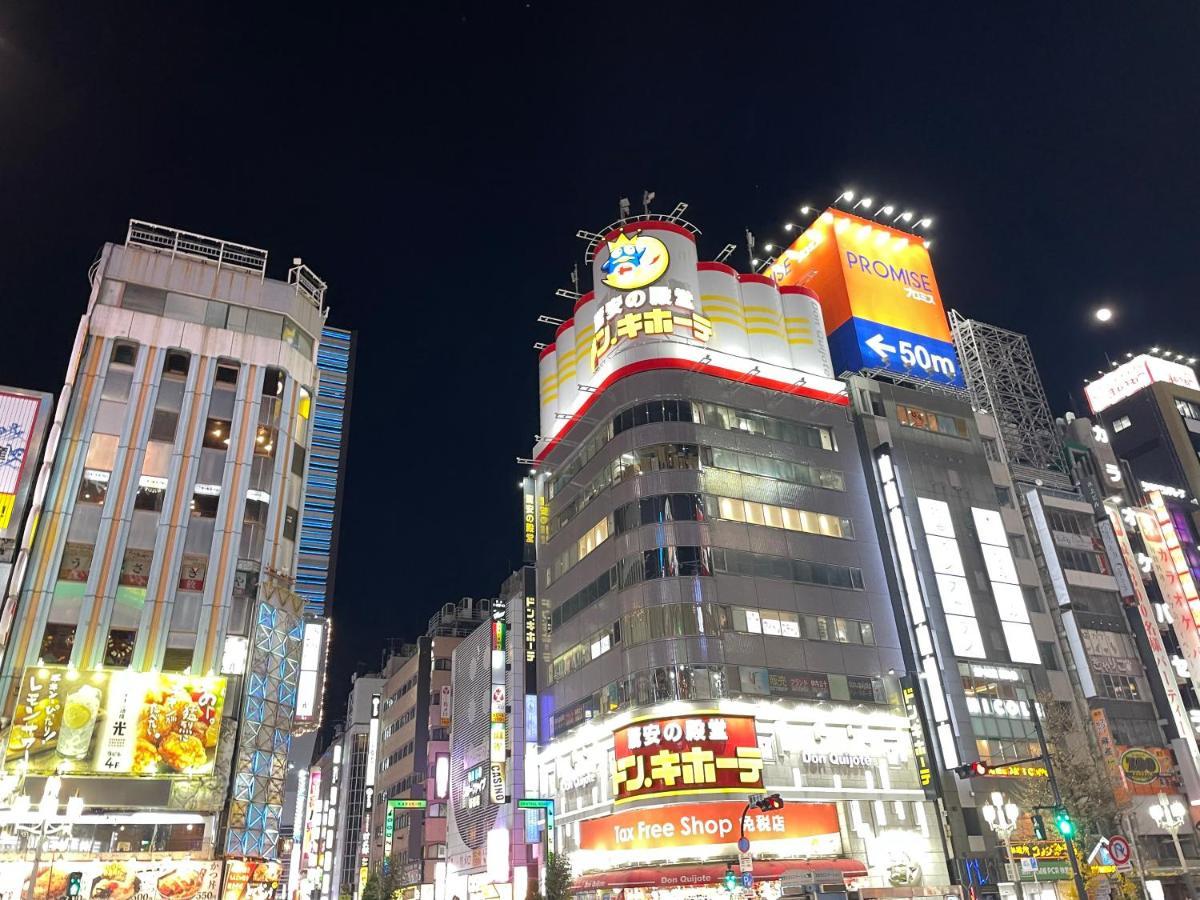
[216,434]
[205,505]
[1003,496]
[442,663]
[149,498]
[93,490]
[176,363]
[57,642]
[290,516]
[119,649]
[227,374]
[163,424]
[298,455]
[272,383]
[1049,656]
[124,354]
[176,659]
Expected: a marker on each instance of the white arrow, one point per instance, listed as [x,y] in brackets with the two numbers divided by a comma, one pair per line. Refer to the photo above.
[876,343]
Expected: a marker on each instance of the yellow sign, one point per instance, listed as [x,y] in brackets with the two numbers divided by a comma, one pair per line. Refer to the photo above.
[1035,771]
[116,722]
[1140,766]
[7,503]
[635,262]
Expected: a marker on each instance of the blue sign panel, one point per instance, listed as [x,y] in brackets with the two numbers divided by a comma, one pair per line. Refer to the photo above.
[747,879]
[860,344]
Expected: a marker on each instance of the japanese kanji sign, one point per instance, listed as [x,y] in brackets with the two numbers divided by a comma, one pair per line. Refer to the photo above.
[658,310]
[116,722]
[699,753]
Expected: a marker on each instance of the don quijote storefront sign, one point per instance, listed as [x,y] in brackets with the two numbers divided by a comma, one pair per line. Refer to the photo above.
[697,753]
[810,828]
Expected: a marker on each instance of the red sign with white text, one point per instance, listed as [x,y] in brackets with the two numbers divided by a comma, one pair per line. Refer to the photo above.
[691,824]
[699,753]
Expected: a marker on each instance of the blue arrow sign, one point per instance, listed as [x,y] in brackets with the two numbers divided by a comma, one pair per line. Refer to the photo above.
[861,344]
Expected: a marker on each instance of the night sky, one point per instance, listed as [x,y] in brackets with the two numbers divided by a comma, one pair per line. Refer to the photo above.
[432,161]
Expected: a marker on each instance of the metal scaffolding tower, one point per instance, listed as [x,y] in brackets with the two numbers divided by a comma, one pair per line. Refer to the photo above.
[1004,381]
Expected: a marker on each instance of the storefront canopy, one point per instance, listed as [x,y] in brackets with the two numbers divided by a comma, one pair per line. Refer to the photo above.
[712,873]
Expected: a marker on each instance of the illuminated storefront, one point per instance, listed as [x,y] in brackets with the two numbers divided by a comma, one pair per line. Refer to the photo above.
[853,801]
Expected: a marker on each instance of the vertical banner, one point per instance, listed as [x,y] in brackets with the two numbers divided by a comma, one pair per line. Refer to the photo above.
[1162,663]
[529,516]
[1174,579]
[499,701]
[918,734]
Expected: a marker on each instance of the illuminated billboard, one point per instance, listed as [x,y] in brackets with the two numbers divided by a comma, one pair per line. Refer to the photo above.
[697,753]
[107,722]
[814,826]
[251,879]
[656,306]
[878,294]
[164,879]
[1140,372]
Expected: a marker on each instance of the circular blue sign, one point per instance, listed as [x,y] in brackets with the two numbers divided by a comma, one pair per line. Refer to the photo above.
[744,844]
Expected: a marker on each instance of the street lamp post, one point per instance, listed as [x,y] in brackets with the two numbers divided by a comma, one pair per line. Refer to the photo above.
[1001,816]
[1171,815]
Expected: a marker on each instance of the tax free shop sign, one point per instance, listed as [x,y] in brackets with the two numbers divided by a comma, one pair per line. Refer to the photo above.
[811,827]
[880,299]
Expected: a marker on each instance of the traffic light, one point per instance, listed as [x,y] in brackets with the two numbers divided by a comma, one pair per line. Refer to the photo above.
[730,880]
[971,769]
[1039,827]
[75,884]
[1063,822]
[770,803]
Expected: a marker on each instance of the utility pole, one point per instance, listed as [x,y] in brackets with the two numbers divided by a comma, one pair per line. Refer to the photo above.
[1080,886]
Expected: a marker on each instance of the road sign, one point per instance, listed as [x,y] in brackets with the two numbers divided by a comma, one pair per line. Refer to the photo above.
[1118,849]
[746,862]
[747,879]
[744,845]
[535,803]
[407,804]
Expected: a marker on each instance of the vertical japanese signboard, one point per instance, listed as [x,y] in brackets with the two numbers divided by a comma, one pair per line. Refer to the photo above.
[1162,663]
[916,731]
[498,781]
[1174,578]
[699,753]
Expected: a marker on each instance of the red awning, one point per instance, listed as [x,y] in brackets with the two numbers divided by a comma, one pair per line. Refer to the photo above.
[711,873]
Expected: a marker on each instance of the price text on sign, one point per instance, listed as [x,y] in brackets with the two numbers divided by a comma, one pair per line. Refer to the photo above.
[686,755]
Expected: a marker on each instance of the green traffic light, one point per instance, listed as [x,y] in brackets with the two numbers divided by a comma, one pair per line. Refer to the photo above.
[730,879]
[1062,821]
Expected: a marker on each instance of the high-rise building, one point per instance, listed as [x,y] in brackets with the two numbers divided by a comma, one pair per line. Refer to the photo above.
[339,865]
[1150,407]
[714,618]
[152,659]
[414,749]
[320,527]
[1089,523]
[492,845]
[981,647]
